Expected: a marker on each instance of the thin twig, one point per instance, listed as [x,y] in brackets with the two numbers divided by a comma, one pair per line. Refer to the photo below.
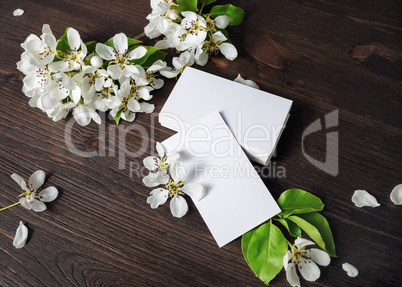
[140,36]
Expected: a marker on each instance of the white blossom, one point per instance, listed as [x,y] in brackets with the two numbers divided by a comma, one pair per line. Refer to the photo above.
[305,260]
[34,197]
[158,167]
[176,189]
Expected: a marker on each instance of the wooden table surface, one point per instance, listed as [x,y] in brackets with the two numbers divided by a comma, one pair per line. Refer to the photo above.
[325,55]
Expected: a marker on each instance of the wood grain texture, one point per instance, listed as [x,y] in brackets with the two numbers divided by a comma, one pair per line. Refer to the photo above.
[324,55]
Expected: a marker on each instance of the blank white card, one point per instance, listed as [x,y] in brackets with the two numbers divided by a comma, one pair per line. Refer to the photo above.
[236,199]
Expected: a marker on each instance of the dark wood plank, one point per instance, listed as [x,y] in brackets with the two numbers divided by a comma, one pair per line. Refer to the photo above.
[101,232]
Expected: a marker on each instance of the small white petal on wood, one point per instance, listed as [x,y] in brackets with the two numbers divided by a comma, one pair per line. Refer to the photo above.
[362,198]
[350,269]
[21,236]
[396,195]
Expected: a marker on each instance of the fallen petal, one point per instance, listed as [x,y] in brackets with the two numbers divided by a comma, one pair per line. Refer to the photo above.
[362,198]
[21,236]
[396,195]
[350,270]
[18,12]
[249,83]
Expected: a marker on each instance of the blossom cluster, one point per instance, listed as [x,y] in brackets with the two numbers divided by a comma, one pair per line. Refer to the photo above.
[165,169]
[193,34]
[68,75]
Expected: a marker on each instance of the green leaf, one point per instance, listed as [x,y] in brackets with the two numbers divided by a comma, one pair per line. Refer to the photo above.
[266,250]
[158,55]
[110,43]
[91,45]
[245,240]
[235,14]
[118,117]
[132,41]
[187,5]
[293,229]
[150,50]
[297,201]
[62,43]
[317,227]
[207,2]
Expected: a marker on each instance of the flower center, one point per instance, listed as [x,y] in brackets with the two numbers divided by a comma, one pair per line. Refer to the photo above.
[300,255]
[174,188]
[46,51]
[72,57]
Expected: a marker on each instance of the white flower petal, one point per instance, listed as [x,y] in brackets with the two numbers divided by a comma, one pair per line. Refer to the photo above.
[158,197]
[147,108]
[291,275]
[38,206]
[219,37]
[143,93]
[160,150]
[120,43]
[59,66]
[114,71]
[228,50]
[177,171]
[194,190]
[105,52]
[21,236]
[172,156]
[48,194]
[309,270]
[201,58]
[137,53]
[133,105]
[286,259]
[178,206]
[157,83]
[69,83]
[74,39]
[318,256]
[350,269]
[222,21]
[362,198]
[301,242]
[162,44]
[249,83]
[396,195]
[25,203]
[155,179]
[18,12]
[20,181]
[37,179]
[151,162]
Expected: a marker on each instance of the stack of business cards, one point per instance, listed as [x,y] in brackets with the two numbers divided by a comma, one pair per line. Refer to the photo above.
[255,118]
[236,199]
